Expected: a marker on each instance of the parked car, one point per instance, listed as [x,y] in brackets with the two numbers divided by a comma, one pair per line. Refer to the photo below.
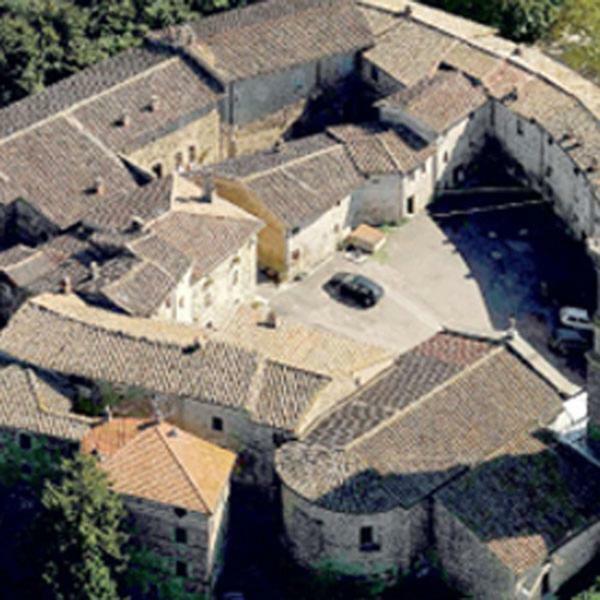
[577,318]
[356,288]
[567,341]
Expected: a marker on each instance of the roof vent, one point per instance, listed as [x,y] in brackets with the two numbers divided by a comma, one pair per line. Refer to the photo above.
[95,269]
[66,285]
[124,120]
[136,224]
[193,347]
[154,104]
[99,187]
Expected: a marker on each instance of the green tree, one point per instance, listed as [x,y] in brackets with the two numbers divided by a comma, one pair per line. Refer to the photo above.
[82,532]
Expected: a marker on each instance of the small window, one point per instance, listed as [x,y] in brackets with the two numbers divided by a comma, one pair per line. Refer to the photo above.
[446,157]
[180,512]
[207,300]
[25,441]
[295,230]
[548,171]
[520,127]
[336,228]
[374,73]
[471,116]
[550,141]
[576,170]
[296,255]
[178,160]
[157,169]
[235,278]
[181,569]
[217,424]
[181,302]
[411,176]
[168,302]
[180,535]
[410,205]
[366,536]
[424,168]
[192,154]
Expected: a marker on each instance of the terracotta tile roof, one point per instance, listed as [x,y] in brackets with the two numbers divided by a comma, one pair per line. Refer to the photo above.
[505,79]
[77,88]
[299,192]
[164,464]
[447,405]
[155,249]
[23,265]
[379,21]
[54,167]
[161,357]
[526,500]
[31,404]
[409,52]
[110,436]
[252,164]
[181,93]
[441,101]
[376,149]
[146,203]
[472,61]
[275,35]
[206,241]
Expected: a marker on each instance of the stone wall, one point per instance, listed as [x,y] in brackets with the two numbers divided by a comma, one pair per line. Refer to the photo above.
[378,201]
[320,537]
[468,564]
[317,242]
[178,306]
[417,188]
[202,135]
[155,526]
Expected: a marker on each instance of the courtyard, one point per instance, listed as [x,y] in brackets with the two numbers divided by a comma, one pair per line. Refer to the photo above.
[469,265]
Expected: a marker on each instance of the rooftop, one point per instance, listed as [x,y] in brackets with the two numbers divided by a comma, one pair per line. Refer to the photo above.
[161,463]
[446,405]
[272,35]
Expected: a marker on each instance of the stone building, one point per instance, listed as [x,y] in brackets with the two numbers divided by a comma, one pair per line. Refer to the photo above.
[176,489]
[269,58]
[302,191]
[36,414]
[226,387]
[363,489]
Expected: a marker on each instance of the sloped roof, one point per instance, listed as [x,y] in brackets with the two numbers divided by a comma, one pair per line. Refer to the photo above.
[274,35]
[55,166]
[179,90]
[526,499]
[31,404]
[446,405]
[376,149]
[167,358]
[161,463]
[441,101]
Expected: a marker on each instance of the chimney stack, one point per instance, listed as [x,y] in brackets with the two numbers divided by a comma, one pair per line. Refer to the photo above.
[208,185]
[99,186]
[125,120]
[95,269]
[154,105]
[67,286]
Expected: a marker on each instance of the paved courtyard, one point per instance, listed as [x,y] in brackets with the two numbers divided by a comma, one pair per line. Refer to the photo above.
[459,267]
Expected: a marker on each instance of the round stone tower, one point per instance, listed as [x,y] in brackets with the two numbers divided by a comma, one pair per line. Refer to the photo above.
[593,373]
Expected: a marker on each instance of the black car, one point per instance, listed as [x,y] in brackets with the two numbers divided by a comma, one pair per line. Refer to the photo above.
[567,341]
[355,288]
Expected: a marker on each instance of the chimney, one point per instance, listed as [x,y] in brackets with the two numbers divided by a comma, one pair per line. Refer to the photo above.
[99,186]
[137,223]
[107,414]
[408,10]
[67,286]
[154,105]
[208,186]
[95,269]
[278,145]
[271,320]
[125,120]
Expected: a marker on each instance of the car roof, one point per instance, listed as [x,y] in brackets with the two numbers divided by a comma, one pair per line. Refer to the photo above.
[362,280]
[576,312]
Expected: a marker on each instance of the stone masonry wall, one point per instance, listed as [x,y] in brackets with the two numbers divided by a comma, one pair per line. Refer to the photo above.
[469,565]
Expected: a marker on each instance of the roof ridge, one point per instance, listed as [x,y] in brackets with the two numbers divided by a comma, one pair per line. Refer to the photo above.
[290,163]
[442,386]
[73,107]
[183,468]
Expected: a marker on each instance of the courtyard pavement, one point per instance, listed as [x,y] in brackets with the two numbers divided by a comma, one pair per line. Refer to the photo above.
[462,268]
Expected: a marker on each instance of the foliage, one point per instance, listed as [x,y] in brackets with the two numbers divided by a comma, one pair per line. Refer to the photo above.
[592,593]
[149,575]
[43,41]
[108,397]
[82,531]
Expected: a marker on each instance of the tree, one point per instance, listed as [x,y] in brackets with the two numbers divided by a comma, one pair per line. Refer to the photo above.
[82,533]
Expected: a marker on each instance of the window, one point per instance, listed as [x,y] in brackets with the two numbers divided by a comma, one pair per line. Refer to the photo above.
[520,127]
[548,171]
[336,229]
[181,302]
[471,116]
[446,157]
[178,160]
[235,278]
[295,230]
[168,302]
[367,541]
[424,168]
[207,300]
[576,170]
[157,169]
[180,535]
[550,141]
[410,205]
[180,512]
[374,73]
[296,255]
[192,154]
[25,441]
[181,569]
[217,424]
[411,176]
